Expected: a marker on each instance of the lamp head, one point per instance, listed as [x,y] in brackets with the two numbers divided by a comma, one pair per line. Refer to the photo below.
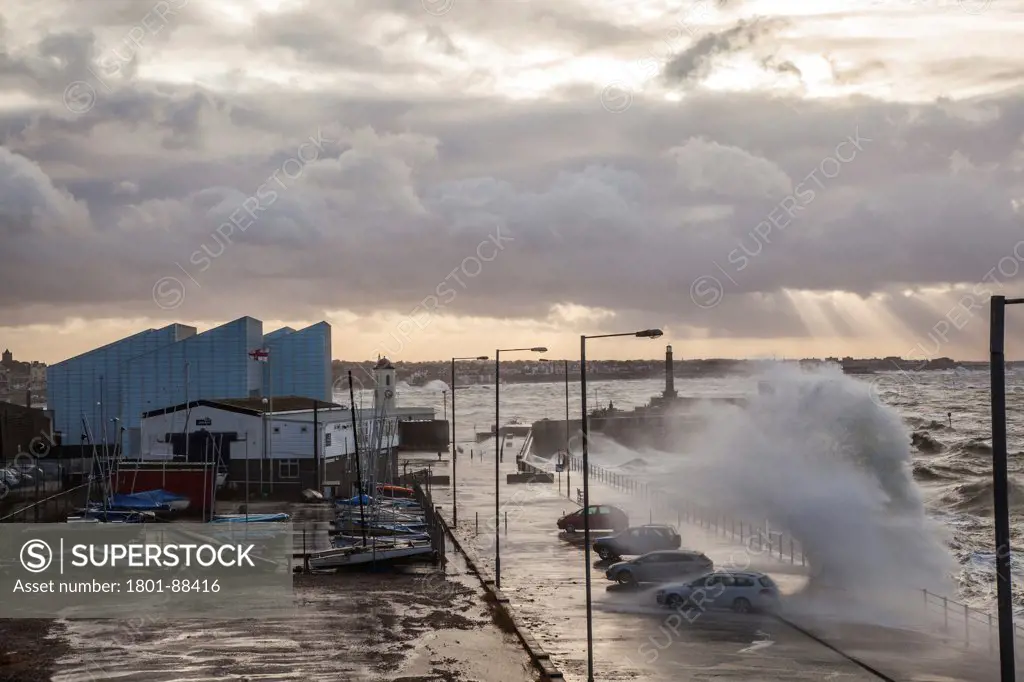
[649,333]
[539,349]
[482,357]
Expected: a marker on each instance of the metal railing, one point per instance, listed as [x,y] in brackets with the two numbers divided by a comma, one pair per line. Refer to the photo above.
[971,625]
[435,524]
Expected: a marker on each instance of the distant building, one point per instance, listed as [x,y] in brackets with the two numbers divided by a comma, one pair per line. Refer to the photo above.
[100,396]
[19,426]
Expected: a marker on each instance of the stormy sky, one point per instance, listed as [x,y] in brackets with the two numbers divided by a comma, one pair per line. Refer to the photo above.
[441,177]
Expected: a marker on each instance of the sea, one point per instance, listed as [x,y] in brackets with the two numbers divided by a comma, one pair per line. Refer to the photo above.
[883,477]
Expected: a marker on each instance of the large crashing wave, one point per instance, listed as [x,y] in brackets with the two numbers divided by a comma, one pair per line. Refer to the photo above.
[820,456]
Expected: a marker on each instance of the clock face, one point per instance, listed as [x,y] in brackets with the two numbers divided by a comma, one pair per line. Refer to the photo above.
[389,394]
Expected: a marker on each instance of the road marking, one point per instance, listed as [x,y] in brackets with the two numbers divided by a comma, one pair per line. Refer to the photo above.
[764,642]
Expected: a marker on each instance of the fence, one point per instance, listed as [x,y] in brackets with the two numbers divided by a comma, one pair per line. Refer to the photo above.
[435,524]
[958,618]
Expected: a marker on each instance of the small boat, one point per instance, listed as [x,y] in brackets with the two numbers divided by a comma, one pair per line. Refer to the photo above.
[149,500]
[387,540]
[360,556]
[355,501]
[383,528]
[394,491]
[250,518]
[96,514]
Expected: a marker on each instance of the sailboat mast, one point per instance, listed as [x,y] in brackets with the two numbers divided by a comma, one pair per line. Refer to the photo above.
[355,446]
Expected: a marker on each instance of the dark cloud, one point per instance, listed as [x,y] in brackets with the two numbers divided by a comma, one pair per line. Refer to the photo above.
[347,196]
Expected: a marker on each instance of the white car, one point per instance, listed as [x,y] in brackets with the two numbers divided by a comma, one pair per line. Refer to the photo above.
[739,591]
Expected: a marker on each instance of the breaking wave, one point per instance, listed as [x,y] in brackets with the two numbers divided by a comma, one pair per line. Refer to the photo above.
[820,457]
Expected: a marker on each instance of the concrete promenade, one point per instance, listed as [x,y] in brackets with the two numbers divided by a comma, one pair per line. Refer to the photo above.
[542,574]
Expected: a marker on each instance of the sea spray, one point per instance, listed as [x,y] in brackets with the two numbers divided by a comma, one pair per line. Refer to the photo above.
[821,457]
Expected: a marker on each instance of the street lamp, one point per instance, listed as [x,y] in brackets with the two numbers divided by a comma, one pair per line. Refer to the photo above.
[643,334]
[1000,484]
[455,447]
[497,452]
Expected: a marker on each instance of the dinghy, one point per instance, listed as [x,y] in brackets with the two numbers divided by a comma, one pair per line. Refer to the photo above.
[343,557]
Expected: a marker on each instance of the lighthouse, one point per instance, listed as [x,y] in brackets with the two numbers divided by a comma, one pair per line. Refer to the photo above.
[670,377]
[384,392]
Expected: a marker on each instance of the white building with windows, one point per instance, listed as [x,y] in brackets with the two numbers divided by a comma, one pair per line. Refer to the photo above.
[278,446]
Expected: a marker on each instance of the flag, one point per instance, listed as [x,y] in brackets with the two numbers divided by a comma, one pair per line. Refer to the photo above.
[260,355]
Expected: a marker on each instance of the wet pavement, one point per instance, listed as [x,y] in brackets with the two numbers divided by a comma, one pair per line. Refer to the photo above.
[418,624]
[543,575]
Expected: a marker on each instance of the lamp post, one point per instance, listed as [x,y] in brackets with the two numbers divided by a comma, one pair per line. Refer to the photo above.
[497,452]
[643,334]
[455,447]
[1000,484]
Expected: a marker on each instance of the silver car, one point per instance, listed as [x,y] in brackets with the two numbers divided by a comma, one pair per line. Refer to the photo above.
[739,591]
[660,567]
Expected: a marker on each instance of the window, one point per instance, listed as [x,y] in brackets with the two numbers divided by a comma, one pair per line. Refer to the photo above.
[766,581]
[387,379]
[288,468]
[636,532]
[743,581]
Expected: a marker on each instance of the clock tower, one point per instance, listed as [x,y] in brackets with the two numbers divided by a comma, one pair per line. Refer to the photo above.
[384,396]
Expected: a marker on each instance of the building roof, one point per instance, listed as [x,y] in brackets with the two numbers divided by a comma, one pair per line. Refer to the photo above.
[253,406]
[383,363]
[15,408]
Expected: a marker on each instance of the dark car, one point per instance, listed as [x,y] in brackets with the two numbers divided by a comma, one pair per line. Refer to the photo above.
[637,540]
[660,567]
[602,517]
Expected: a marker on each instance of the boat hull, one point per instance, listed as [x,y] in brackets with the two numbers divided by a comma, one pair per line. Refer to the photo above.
[359,556]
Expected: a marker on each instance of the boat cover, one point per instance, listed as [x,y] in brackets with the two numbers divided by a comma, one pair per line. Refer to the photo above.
[147,500]
[354,501]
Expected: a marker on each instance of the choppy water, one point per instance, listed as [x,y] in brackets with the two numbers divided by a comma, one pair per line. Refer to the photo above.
[945,417]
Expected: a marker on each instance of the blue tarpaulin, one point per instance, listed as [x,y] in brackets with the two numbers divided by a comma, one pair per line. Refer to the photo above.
[149,500]
[354,501]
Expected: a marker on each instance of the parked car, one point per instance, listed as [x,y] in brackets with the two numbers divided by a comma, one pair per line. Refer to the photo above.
[602,517]
[739,591]
[637,540]
[660,567]
[9,477]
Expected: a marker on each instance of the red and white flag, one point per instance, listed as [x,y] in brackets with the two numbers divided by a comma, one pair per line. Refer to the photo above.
[260,355]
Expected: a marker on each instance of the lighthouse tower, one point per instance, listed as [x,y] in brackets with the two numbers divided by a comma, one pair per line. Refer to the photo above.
[670,377]
[384,394]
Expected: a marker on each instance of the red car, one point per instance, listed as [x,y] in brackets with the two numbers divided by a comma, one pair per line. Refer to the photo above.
[602,517]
